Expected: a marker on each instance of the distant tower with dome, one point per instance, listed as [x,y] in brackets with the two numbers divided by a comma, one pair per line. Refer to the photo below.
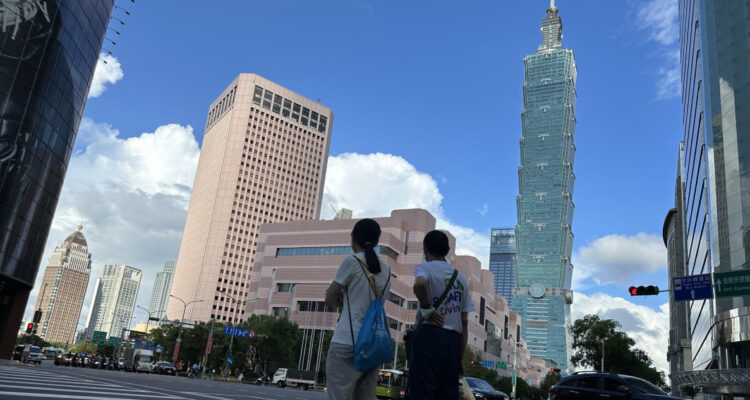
[63,288]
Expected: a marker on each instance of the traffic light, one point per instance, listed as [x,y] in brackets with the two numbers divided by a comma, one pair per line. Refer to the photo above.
[554,371]
[29,327]
[643,290]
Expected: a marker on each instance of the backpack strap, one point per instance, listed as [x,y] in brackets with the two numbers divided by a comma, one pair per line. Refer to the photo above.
[349,313]
[371,278]
[447,289]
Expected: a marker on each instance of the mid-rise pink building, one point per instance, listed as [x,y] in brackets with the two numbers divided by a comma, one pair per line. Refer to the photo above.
[296,261]
[263,160]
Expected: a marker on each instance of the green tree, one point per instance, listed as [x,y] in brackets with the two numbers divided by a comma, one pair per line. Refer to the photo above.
[33,340]
[549,380]
[620,355]
[279,346]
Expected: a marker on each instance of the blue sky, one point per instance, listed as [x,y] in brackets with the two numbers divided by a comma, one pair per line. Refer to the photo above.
[436,87]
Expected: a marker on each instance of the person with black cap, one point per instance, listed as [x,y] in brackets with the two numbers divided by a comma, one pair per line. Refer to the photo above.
[352,291]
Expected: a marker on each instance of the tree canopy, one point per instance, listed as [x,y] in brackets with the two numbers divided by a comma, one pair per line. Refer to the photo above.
[620,354]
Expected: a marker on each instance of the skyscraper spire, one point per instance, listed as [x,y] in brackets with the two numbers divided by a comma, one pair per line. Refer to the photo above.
[551,29]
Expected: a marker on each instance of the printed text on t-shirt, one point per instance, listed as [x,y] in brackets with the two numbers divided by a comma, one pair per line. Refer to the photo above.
[453,299]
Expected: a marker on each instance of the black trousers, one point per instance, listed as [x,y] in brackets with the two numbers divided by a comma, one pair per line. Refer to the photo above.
[434,364]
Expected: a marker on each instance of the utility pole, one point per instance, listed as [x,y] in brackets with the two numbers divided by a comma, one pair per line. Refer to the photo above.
[602,355]
[209,342]
[232,324]
[179,333]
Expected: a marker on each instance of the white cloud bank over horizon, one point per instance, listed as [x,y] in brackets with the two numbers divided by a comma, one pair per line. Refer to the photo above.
[373,185]
[130,195]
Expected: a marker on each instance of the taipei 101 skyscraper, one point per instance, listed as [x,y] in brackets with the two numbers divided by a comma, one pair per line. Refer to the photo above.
[545,202]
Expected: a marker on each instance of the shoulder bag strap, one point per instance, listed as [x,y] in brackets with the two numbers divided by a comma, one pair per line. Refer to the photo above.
[349,313]
[369,275]
[447,289]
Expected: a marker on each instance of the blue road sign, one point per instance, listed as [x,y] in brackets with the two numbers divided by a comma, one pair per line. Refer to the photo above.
[229,360]
[240,332]
[236,331]
[158,347]
[693,287]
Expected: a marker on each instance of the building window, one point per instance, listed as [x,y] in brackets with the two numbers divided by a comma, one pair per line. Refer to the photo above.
[257,95]
[322,124]
[276,104]
[412,305]
[284,287]
[287,109]
[295,112]
[330,251]
[395,299]
[267,96]
[305,115]
[281,312]
[317,306]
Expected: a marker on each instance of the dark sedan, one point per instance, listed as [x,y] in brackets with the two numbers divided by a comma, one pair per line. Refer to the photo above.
[164,368]
[483,390]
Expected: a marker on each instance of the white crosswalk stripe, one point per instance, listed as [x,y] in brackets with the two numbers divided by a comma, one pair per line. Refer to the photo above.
[20,382]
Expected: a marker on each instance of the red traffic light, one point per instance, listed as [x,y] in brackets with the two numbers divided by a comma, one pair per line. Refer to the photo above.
[643,290]
[29,327]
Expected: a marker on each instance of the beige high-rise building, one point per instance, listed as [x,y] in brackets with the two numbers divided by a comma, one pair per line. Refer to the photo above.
[63,289]
[263,160]
[114,300]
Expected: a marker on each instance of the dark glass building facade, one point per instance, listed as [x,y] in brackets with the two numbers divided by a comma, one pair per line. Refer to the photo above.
[503,261]
[715,63]
[48,52]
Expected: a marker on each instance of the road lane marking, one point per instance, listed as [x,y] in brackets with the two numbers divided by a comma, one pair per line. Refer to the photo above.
[120,392]
[61,396]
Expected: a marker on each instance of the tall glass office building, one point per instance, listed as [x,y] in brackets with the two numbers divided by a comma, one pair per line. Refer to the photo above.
[715,63]
[503,261]
[48,52]
[545,207]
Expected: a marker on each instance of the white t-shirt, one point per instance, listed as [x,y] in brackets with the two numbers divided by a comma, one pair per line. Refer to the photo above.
[351,276]
[458,300]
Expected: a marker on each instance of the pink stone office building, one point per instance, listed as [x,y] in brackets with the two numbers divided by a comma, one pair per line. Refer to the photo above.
[263,160]
[297,260]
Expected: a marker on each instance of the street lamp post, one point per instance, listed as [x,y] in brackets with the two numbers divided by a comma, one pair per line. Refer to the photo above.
[179,333]
[515,373]
[231,337]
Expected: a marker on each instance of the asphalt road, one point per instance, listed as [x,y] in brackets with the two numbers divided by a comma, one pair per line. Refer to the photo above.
[47,381]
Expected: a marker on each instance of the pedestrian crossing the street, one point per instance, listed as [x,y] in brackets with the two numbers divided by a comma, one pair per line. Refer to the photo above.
[24,382]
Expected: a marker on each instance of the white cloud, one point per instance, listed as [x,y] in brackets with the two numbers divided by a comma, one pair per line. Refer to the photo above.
[649,328]
[668,85]
[659,19]
[484,209]
[373,185]
[615,258]
[131,196]
[108,71]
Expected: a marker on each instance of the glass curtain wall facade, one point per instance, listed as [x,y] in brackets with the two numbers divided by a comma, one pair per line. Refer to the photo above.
[715,63]
[544,205]
[503,261]
[48,52]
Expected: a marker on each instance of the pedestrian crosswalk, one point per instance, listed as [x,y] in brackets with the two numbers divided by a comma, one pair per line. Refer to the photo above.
[26,382]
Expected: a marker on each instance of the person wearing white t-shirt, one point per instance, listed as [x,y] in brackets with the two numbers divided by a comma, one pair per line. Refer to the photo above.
[440,341]
[351,291]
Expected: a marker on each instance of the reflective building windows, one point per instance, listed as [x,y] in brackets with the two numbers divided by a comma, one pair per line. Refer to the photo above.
[544,238]
[48,54]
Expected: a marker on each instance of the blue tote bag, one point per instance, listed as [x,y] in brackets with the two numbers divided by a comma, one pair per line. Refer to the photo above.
[373,346]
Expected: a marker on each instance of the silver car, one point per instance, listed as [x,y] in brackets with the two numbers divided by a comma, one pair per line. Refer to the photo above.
[35,355]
